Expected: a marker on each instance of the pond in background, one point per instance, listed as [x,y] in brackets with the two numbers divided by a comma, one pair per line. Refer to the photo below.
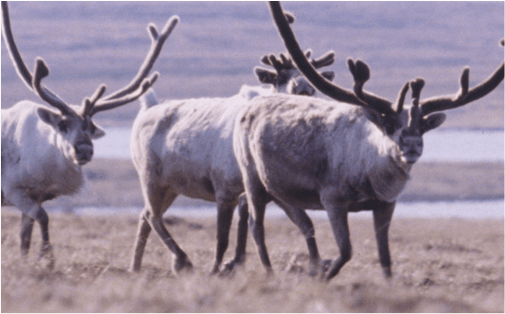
[444,145]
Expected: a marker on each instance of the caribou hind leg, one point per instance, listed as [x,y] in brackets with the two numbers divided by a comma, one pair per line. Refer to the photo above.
[157,200]
[242,228]
[26,233]
[300,218]
[225,208]
[257,199]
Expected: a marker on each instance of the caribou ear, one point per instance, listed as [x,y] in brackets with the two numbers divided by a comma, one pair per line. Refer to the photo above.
[374,116]
[48,116]
[265,76]
[96,132]
[432,121]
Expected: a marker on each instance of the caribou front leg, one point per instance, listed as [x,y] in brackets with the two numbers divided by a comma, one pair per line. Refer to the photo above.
[337,214]
[382,215]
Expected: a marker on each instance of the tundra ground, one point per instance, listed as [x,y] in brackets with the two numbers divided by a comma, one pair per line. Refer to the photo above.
[114,182]
[443,265]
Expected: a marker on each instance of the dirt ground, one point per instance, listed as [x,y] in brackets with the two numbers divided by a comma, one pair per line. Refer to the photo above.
[443,265]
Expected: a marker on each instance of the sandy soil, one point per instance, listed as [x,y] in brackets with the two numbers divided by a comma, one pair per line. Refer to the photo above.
[444,265]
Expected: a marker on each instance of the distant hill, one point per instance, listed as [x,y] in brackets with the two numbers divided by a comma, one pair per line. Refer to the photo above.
[213,50]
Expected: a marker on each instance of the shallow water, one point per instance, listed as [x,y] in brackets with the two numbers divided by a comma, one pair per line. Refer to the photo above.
[460,209]
[446,145]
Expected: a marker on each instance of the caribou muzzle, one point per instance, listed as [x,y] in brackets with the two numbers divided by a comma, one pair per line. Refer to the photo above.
[83,152]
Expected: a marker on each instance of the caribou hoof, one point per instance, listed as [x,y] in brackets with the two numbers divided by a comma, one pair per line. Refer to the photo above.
[46,257]
[325,265]
[182,264]
[319,268]
[229,267]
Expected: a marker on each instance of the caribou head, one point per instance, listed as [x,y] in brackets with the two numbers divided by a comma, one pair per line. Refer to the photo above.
[73,125]
[404,125]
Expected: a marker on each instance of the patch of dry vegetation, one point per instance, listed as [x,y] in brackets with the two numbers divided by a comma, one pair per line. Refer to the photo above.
[445,265]
[114,182]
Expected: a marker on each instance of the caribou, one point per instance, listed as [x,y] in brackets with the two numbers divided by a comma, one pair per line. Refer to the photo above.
[43,149]
[185,147]
[340,156]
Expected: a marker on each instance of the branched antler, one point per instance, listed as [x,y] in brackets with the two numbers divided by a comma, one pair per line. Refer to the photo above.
[323,85]
[465,95]
[22,70]
[140,83]
[361,73]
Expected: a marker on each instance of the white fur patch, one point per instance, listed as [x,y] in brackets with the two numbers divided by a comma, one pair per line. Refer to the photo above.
[249,92]
[149,99]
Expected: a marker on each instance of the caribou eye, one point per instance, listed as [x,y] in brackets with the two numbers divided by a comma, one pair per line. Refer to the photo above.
[92,128]
[389,126]
[62,126]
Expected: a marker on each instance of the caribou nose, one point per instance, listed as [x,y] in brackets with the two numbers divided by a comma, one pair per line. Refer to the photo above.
[83,152]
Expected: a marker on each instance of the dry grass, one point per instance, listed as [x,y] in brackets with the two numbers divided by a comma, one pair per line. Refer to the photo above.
[440,266]
[114,182]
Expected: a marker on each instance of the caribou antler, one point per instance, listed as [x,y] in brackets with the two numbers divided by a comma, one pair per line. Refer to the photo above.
[361,73]
[90,106]
[465,95]
[140,84]
[334,91]
[323,61]
[22,70]
[284,63]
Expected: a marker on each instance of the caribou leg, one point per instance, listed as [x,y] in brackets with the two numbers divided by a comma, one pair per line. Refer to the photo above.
[26,233]
[144,229]
[382,219]
[157,200]
[300,218]
[257,199]
[337,214]
[242,228]
[225,210]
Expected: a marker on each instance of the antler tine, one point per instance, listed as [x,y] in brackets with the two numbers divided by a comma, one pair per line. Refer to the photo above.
[90,102]
[325,60]
[308,53]
[158,39]
[289,17]
[41,70]
[361,73]
[114,103]
[266,60]
[416,86]
[278,64]
[465,95]
[400,100]
[286,61]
